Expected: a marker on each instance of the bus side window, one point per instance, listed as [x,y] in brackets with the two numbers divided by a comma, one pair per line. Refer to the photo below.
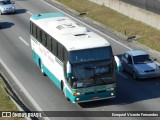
[44,39]
[54,47]
[49,43]
[65,55]
[34,30]
[60,52]
[31,28]
[39,34]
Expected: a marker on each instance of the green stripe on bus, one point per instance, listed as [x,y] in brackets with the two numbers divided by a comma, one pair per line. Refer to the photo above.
[91,96]
[53,78]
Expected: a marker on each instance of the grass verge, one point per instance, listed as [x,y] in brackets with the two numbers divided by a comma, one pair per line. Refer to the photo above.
[6,104]
[149,36]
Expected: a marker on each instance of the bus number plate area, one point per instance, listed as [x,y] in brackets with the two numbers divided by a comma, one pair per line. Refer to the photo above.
[96,97]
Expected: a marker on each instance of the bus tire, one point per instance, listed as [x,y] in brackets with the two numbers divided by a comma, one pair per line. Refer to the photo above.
[63,89]
[41,67]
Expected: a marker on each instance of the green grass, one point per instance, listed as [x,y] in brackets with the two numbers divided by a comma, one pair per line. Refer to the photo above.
[149,36]
[6,104]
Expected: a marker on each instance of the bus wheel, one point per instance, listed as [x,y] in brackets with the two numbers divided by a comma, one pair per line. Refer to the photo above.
[41,67]
[63,88]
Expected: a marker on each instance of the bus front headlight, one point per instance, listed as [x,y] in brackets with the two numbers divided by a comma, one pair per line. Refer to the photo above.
[76,94]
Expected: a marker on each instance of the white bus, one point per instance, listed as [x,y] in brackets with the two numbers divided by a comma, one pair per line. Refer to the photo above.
[78,61]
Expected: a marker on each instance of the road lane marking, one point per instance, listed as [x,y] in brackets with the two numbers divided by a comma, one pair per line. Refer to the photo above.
[29,12]
[23,41]
[89,26]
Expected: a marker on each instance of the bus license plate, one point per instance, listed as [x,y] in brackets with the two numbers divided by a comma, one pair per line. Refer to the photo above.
[96,97]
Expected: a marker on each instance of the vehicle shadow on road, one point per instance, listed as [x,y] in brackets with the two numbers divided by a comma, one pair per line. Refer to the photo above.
[20,11]
[5,25]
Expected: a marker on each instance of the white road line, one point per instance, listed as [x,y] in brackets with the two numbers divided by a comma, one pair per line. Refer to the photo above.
[21,86]
[89,26]
[23,41]
[29,12]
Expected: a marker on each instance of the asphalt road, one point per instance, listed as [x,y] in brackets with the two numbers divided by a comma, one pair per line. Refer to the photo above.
[15,56]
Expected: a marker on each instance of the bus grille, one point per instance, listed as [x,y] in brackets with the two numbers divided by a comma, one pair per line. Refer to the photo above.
[95,92]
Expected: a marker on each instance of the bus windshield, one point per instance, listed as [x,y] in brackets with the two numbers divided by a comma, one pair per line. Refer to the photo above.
[90,55]
[92,73]
[92,67]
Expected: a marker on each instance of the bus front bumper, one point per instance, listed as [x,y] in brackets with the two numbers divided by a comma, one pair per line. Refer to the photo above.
[93,97]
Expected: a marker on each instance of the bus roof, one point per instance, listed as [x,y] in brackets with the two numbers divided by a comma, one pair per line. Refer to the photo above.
[69,33]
